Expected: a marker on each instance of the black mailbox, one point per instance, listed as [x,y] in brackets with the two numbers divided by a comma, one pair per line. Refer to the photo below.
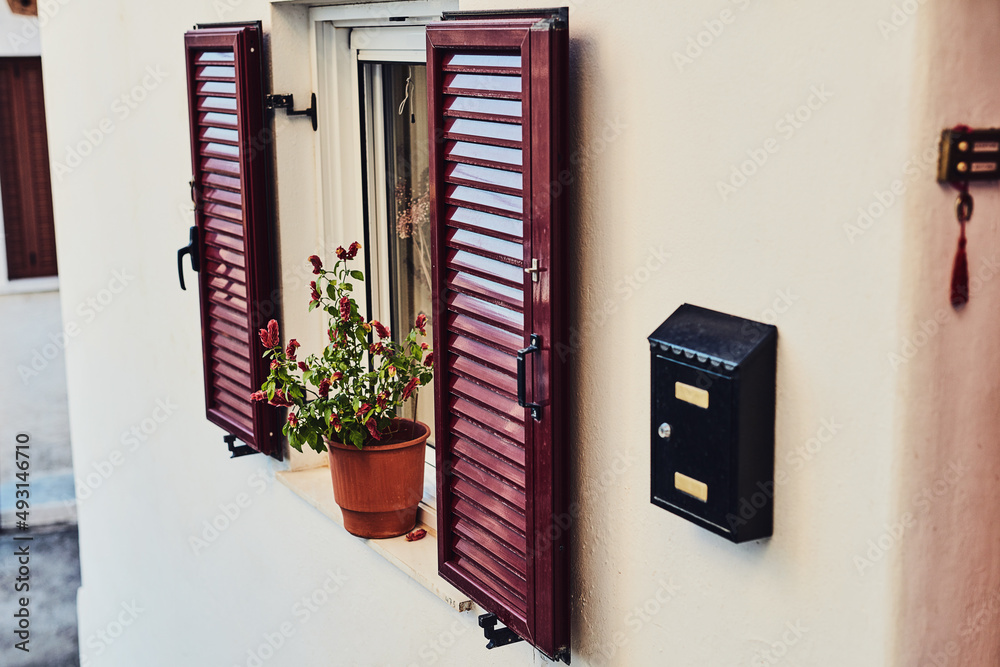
[713,384]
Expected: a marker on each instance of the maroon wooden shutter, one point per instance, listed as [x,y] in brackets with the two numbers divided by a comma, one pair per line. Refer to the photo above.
[496,89]
[24,171]
[229,157]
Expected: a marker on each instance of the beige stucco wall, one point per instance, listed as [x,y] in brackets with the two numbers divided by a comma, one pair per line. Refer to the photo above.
[949,447]
[654,135]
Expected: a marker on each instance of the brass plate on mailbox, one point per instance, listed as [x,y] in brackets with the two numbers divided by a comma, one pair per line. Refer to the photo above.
[693,395]
[691,486]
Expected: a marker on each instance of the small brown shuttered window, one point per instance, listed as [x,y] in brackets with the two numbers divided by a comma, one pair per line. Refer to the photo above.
[496,89]
[24,171]
[229,159]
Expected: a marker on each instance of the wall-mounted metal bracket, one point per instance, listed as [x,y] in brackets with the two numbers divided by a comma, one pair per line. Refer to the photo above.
[969,155]
[272,102]
[497,638]
[238,450]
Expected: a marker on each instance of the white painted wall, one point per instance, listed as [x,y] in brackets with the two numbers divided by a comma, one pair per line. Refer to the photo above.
[649,232]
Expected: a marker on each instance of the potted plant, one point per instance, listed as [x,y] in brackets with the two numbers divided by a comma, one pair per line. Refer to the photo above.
[347,402]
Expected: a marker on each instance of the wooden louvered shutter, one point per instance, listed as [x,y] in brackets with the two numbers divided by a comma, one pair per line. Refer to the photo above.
[229,157]
[24,171]
[496,89]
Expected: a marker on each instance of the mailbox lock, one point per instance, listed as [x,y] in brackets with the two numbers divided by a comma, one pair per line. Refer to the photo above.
[664,431]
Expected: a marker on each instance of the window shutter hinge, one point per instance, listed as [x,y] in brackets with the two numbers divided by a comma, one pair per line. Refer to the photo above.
[275,101]
[238,450]
[497,637]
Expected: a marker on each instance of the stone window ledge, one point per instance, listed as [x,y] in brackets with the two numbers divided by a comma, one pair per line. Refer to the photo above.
[417,559]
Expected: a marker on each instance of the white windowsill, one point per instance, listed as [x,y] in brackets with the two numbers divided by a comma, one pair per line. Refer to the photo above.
[417,559]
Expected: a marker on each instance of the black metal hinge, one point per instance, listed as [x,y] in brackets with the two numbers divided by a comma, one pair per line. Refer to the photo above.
[497,638]
[272,102]
[238,450]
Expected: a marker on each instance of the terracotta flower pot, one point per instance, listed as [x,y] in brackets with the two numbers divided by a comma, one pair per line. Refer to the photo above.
[379,487]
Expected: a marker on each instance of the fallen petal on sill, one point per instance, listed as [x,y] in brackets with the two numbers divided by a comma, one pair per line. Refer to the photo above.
[418,534]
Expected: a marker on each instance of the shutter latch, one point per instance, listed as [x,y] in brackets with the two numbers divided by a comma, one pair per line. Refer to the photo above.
[272,102]
[533,270]
[497,638]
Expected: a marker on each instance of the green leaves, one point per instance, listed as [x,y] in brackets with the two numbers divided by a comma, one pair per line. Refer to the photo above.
[347,355]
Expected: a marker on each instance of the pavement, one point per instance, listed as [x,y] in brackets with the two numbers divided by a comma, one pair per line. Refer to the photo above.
[33,405]
[53,579]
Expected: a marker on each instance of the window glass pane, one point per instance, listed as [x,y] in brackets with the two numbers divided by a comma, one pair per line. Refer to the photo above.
[407,206]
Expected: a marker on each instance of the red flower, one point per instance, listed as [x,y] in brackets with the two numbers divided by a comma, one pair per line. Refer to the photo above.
[345,308]
[303,367]
[373,429]
[341,253]
[421,323]
[376,348]
[418,534]
[293,420]
[429,361]
[317,264]
[275,364]
[290,350]
[315,292]
[324,387]
[280,400]
[365,407]
[353,250]
[336,376]
[424,346]
[380,329]
[381,400]
[410,386]
[269,337]
[258,396]
[335,422]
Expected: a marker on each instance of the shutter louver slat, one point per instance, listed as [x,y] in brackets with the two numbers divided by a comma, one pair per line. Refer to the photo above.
[493,86]
[225,95]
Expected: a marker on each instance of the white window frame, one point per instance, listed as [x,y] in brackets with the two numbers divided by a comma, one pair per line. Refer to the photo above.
[342,37]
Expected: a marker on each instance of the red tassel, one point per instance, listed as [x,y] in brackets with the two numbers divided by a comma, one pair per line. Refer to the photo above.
[960,275]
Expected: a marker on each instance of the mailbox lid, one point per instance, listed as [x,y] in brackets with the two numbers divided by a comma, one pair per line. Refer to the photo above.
[708,336]
[692,470]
